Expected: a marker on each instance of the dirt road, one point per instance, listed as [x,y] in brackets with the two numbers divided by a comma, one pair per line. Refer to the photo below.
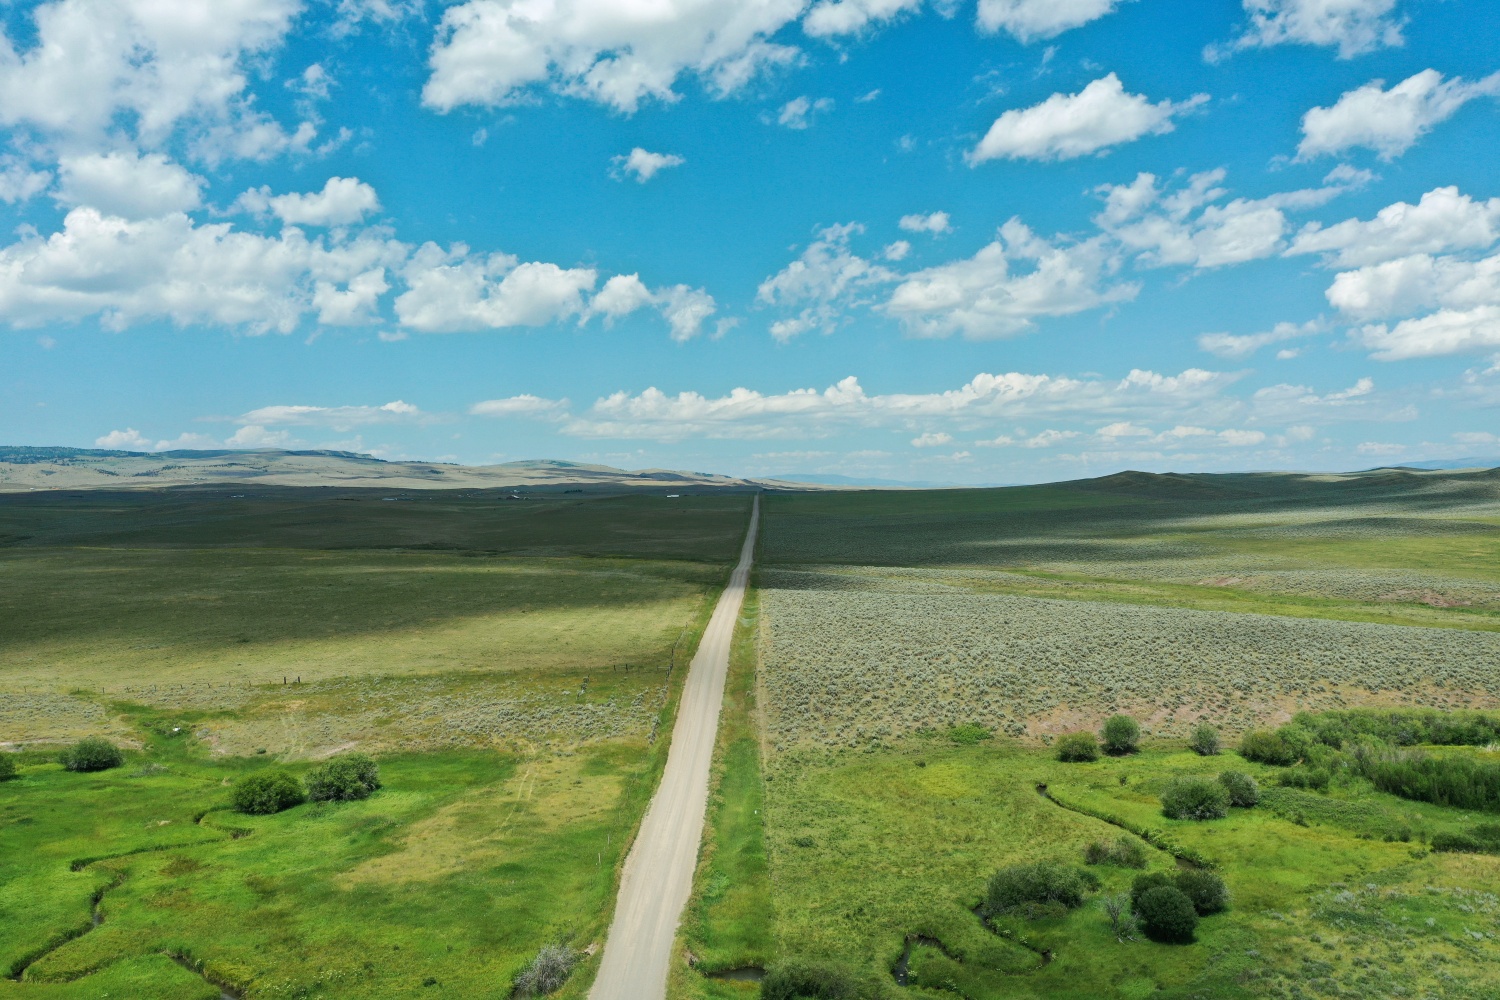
[658,873]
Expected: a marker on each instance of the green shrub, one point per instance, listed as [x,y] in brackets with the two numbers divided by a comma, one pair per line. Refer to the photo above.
[7,767]
[1195,798]
[1314,778]
[795,980]
[1266,747]
[1127,852]
[343,778]
[547,972]
[1167,915]
[1122,735]
[1205,890]
[1075,748]
[1027,887]
[91,754]
[1145,883]
[969,734]
[1242,789]
[1457,780]
[1482,839]
[267,792]
[1205,741]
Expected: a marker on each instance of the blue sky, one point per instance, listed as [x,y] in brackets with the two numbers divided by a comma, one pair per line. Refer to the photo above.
[983,242]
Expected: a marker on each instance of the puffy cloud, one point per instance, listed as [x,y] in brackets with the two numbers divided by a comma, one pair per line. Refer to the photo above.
[490,52]
[1355,26]
[931,440]
[684,308]
[1300,404]
[19,181]
[643,165]
[982,296]
[935,223]
[339,418]
[810,413]
[798,113]
[1409,284]
[1447,331]
[343,201]
[93,64]
[1228,345]
[127,184]
[830,18]
[1065,126]
[1442,220]
[1389,121]
[1030,20]
[525,405]
[829,276]
[621,295]
[129,439]
[127,270]
[454,290]
[1189,227]
[897,250]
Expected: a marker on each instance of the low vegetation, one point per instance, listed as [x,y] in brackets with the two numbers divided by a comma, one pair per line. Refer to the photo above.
[267,792]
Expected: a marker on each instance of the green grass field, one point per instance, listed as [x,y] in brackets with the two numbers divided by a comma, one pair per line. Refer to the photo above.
[510,663]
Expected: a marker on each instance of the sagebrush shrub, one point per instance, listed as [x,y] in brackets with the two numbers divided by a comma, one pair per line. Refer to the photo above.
[1167,915]
[1265,746]
[1122,735]
[547,972]
[343,778]
[1195,798]
[7,767]
[796,980]
[267,792]
[1205,741]
[1205,890]
[91,754]
[1075,748]
[1242,789]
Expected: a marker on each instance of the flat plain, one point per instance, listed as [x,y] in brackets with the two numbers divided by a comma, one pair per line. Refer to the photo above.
[510,663]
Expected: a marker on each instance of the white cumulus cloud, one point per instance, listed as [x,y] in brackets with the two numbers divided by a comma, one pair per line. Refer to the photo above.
[1065,126]
[830,18]
[339,418]
[454,290]
[490,52]
[1030,20]
[1236,346]
[126,184]
[644,165]
[934,222]
[1443,220]
[798,113]
[343,201]
[1354,26]
[1389,121]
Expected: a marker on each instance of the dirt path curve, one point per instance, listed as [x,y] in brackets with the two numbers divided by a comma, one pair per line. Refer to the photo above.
[658,874]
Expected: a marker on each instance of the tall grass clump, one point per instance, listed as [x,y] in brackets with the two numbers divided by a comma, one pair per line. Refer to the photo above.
[7,767]
[1122,735]
[546,972]
[344,778]
[1039,888]
[798,980]
[267,792]
[1077,748]
[91,754]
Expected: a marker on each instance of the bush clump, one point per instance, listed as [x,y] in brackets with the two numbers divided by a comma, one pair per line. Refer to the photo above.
[7,767]
[1122,735]
[91,754]
[1482,839]
[1166,914]
[1243,791]
[267,792]
[1265,746]
[1195,798]
[808,981]
[547,972]
[1127,852]
[1205,741]
[1037,888]
[1312,778]
[1077,748]
[344,778]
[1205,890]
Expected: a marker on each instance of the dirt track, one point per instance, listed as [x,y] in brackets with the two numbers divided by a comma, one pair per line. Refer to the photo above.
[658,873]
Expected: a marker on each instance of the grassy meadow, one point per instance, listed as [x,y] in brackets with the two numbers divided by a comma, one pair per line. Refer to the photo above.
[511,664]
[893,628]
